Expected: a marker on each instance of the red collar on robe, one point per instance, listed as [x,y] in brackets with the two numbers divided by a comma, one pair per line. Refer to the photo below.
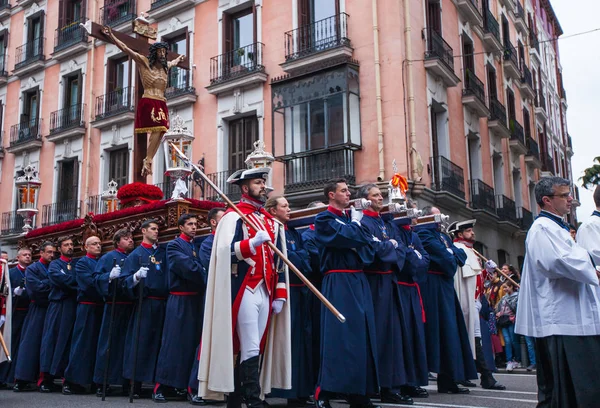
[147,246]
[43,261]
[185,237]
[337,212]
[369,213]
[467,242]
[65,259]
[312,227]
[120,250]
[21,268]
[91,256]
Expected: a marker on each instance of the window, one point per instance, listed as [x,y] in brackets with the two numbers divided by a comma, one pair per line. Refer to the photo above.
[526,121]
[3,48]
[521,54]
[30,111]
[70,11]
[35,34]
[242,135]
[505,31]
[118,169]
[503,257]
[68,180]
[492,83]
[239,29]
[510,101]
[117,85]
[468,57]
[434,16]
[178,78]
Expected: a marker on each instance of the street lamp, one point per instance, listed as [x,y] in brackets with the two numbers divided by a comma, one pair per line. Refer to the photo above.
[28,185]
[176,169]
[109,197]
[260,158]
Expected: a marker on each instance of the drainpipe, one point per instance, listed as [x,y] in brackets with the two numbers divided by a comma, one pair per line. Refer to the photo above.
[381,175]
[88,149]
[414,165]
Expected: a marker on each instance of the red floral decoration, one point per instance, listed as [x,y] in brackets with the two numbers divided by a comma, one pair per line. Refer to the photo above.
[51,229]
[157,205]
[139,191]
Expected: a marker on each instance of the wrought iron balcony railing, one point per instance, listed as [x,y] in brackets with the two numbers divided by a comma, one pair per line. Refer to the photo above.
[62,211]
[159,3]
[532,148]
[447,176]
[533,40]
[118,101]
[540,99]
[474,86]
[548,163]
[67,118]
[116,12]
[437,47]
[519,12]
[220,180]
[167,188]
[3,70]
[506,208]
[490,25]
[236,63]
[179,83]
[29,52]
[526,78]
[569,142]
[497,111]
[525,218]
[4,4]
[25,131]
[482,196]
[12,223]
[321,35]
[96,205]
[510,53]
[70,34]
[516,132]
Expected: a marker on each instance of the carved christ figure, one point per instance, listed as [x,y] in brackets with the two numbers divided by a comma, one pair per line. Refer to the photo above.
[152,115]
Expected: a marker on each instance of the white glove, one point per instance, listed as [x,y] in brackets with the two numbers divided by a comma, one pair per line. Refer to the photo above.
[490,266]
[260,238]
[141,273]
[277,305]
[355,215]
[3,318]
[394,243]
[115,272]
[375,239]
[18,291]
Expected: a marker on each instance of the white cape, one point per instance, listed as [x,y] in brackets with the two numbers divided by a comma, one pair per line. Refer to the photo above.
[216,355]
[588,236]
[465,283]
[6,328]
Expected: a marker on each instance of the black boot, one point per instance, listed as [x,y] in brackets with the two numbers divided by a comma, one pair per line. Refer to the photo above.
[234,399]
[250,381]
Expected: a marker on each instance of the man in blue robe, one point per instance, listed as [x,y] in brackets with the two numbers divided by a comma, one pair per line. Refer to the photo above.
[184,313]
[448,347]
[58,325]
[382,277]
[148,262]
[90,305]
[301,305]
[38,288]
[106,279]
[345,248]
[411,306]
[213,217]
[20,306]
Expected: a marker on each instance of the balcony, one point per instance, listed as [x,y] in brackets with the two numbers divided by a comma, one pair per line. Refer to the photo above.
[118,14]
[482,196]
[70,40]
[540,107]
[25,3]
[474,95]
[511,62]
[509,4]
[317,44]
[534,47]
[95,204]
[570,146]
[29,57]
[497,121]
[526,84]
[237,68]
[62,211]
[520,19]
[220,180]
[439,59]
[1,144]
[506,209]
[4,9]
[310,170]
[161,9]
[525,218]
[25,136]
[491,33]
[114,108]
[180,91]
[3,71]
[448,177]
[532,157]
[12,223]
[67,123]
[470,11]
[517,137]
[548,168]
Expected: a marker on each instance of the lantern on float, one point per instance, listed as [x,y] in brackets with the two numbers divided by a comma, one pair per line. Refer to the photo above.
[109,197]
[176,168]
[261,158]
[28,185]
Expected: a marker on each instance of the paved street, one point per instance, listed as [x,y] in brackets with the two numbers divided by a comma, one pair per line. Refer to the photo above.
[521,393]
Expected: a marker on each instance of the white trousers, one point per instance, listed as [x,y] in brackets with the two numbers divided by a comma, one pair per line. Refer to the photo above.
[252,320]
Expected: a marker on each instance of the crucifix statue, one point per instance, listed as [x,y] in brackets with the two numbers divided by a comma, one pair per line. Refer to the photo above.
[152,115]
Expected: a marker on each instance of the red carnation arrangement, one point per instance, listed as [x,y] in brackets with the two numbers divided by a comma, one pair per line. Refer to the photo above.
[51,229]
[137,191]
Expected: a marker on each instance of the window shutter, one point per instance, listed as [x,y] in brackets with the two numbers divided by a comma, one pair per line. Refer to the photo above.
[75,190]
[227,33]
[79,90]
[61,13]
[254,23]
[83,11]
[303,13]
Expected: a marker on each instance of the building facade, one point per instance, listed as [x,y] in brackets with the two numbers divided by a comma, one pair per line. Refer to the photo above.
[465,95]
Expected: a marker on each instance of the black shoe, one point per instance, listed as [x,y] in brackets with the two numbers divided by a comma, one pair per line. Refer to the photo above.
[396,398]
[46,388]
[467,383]
[322,404]
[99,391]
[180,394]
[414,392]
[24,387]
[195,399]
[495,386]
[250,381]
[455,390]
[66,389]
[158,397]
[3,386]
